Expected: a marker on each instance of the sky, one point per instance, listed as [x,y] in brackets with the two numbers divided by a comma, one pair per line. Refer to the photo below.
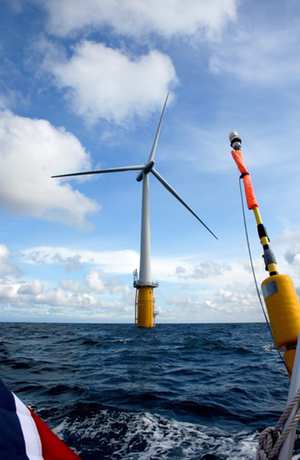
[81,87]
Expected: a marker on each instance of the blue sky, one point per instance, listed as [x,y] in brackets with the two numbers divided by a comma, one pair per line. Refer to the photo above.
[82,88]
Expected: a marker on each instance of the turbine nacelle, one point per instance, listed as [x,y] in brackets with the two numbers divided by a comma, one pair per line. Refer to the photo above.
[148,168]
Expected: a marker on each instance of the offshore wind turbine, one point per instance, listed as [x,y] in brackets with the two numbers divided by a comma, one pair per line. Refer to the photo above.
[144,284]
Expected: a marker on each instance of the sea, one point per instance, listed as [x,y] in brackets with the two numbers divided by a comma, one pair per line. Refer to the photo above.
[178,391]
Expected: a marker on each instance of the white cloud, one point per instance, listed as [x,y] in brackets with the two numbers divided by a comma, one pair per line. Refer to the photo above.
[119,261]
[32,288]
[31,293]
[203,270]
[31,151]
[65,298]
[123,261]
[95,296]
[192,270]
[289,245]
[8,290]
[95,282]
[234,299]
[227,303]
[110,84]
[7,267]
[137,18]
[200,291]
[192,289]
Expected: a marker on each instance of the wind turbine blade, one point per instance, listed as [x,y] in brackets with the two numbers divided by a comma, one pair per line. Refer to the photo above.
[102,171]
[157,134]
[174,193]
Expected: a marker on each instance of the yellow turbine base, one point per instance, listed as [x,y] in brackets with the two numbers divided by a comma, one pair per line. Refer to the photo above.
[145,307]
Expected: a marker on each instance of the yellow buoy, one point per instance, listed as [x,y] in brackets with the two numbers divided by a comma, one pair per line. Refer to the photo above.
[289,358]
[284,314]
[283,309]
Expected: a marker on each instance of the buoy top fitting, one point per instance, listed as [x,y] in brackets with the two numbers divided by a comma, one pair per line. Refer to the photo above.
[235,140]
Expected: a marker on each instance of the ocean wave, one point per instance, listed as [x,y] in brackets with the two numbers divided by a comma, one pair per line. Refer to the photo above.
[106,433]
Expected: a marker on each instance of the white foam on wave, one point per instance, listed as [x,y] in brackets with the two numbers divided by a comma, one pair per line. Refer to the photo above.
[145,436]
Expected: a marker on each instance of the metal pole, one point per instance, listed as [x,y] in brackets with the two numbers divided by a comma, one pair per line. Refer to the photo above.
[135,306]
[145,264]
[286,451]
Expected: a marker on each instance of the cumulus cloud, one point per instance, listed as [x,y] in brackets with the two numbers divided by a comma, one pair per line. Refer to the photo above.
[30,293]
[88,297]
[95,282]
[202,270]
[193,270]
[65,298]
[123,261]
[32,288]
[233,299]
[229,303]
[138,18]
[201,291]
[110,84]
[32,150]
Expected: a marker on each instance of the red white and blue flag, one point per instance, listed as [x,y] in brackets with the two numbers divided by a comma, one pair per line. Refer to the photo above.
[23,434]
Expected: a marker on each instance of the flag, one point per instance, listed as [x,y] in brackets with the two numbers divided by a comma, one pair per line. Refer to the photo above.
[23,434]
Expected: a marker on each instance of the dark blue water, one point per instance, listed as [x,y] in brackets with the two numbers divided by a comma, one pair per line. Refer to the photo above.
[174,392]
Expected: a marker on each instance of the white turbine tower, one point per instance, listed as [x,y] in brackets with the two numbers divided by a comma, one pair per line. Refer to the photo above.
[144,284]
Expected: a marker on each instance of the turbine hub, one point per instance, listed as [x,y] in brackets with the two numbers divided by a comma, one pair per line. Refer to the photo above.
[148,168]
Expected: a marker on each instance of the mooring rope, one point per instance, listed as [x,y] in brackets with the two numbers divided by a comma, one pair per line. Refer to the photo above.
[272,439]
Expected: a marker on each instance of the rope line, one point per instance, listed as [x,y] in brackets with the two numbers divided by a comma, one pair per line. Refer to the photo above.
[271,439]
